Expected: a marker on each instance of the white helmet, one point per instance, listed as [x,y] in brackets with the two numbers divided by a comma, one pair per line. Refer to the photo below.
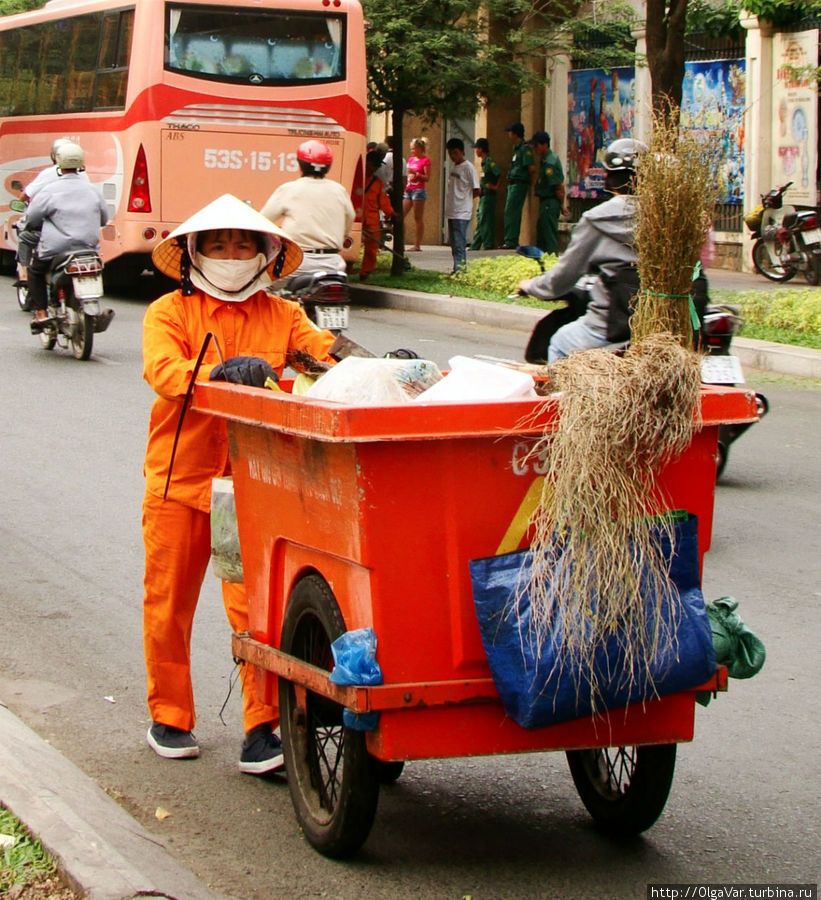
[56,146]
[70,156]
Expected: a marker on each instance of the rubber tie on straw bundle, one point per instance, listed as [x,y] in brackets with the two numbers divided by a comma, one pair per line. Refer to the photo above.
[689,297]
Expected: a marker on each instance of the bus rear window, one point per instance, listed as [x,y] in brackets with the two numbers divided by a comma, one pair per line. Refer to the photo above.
[254,46]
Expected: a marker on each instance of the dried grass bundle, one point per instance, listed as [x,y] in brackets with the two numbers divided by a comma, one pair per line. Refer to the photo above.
[595,548]
[677,189]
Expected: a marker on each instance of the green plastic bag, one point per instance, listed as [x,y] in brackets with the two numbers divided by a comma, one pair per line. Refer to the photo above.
[735,645]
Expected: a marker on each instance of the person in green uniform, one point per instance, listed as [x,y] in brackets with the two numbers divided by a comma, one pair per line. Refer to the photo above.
[483,238]
[519,178]
[551,193]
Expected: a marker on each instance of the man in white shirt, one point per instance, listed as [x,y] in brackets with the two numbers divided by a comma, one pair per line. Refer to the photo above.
[313,210]
[463,188]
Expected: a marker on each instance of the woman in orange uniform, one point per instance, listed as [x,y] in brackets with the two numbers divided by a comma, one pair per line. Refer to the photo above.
[375,199]
[223,256]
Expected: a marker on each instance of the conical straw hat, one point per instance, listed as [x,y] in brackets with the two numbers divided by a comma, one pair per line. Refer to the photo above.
[226,211]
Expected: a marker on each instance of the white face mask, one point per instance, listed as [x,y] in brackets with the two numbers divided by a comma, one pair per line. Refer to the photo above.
[233,280]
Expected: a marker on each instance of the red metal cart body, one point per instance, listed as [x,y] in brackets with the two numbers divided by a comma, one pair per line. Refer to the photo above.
[388,505]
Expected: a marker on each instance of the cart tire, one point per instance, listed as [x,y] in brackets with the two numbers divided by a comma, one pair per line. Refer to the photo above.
[389,772]
[624,788]
[721,458]
[332,778]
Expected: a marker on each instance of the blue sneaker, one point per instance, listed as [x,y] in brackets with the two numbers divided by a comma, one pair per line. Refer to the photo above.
[261,752]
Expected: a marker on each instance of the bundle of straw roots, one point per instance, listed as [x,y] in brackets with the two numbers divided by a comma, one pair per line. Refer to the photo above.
[597,533]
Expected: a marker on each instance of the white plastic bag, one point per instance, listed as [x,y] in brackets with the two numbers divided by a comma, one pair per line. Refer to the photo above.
[365,381]
[475,379]
[226,560]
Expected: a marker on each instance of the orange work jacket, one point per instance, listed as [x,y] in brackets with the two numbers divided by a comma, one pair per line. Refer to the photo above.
[173,331]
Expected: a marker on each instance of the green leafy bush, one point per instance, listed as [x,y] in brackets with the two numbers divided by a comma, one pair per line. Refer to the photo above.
[790,308]
[501,274]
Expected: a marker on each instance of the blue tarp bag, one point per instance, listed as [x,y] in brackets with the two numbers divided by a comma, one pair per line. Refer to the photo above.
[537,687]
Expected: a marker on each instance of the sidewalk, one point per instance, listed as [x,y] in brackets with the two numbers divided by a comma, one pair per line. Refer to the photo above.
[105,853]
[763,355]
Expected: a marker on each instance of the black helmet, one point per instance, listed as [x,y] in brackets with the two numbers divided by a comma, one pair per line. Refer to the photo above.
[621,155]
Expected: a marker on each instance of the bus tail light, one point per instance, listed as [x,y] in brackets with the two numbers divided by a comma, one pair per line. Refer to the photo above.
[358,189]
[139,197]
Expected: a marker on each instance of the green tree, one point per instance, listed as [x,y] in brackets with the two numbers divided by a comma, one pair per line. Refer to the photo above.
[10,7]
[443,58]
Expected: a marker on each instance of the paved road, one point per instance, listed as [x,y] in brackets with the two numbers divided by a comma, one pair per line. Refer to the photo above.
[745,802]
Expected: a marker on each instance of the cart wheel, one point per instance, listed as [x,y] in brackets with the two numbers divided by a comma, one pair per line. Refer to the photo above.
[624,788]
[389,772]
[331,776]
[721,459]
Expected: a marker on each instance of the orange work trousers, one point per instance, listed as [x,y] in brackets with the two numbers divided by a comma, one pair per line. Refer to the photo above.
[177,552]
[369,253]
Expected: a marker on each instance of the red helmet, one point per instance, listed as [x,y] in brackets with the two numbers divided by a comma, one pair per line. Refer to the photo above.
[314,152]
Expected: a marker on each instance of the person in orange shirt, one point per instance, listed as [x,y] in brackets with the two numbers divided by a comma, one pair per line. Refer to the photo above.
[374,201]
[223,256]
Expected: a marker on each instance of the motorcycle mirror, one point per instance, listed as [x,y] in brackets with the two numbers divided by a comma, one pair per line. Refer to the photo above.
[529,251]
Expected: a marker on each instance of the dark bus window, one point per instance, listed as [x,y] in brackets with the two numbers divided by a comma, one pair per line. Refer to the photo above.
[256,46]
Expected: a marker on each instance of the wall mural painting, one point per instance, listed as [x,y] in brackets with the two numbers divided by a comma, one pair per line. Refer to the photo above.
[712,106]
[601,106]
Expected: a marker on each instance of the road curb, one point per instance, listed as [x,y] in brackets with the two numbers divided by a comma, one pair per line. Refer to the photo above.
[764,355]
[103,851]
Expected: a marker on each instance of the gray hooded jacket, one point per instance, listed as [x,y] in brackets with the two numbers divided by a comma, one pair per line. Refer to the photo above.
[602,242]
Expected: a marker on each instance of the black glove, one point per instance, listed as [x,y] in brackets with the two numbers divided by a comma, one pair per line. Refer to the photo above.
[401,353]
[244,370]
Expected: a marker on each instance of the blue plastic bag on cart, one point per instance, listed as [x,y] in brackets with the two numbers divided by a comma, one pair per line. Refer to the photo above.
[354,654]
[535,685]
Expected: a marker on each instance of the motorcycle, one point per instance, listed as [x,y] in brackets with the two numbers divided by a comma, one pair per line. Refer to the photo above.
[787,240]
[719,324]
[323,296]
[75,313]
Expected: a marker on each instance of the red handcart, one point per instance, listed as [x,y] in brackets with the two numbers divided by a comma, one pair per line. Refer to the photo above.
[366,517]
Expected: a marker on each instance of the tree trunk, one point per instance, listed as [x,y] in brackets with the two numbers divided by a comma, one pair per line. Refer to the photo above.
[665,24]
[397,190]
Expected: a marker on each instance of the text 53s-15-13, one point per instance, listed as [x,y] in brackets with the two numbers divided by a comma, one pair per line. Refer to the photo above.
[257,160]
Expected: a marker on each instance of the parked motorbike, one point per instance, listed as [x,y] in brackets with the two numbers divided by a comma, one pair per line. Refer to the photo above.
[787,240]
[75,313]
[323,296]
[719,324]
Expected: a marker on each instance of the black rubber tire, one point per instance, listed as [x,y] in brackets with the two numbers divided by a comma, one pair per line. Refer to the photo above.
[48,339]
[762,405]
[23,296]
[624,789]
[813,271]
[82,336]
[389,772]
[721,459]
[763,264]
[332,778]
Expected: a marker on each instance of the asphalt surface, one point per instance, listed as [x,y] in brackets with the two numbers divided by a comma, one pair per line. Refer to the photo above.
[104,852]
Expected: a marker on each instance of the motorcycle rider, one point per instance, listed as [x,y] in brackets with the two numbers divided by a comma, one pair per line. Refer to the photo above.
[313,210]
[27,240]
[69,213]
[601,248]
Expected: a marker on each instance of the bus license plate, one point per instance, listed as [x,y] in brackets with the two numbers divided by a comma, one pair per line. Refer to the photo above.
[332,317]
[813,236]
[87,287]
[721,370]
